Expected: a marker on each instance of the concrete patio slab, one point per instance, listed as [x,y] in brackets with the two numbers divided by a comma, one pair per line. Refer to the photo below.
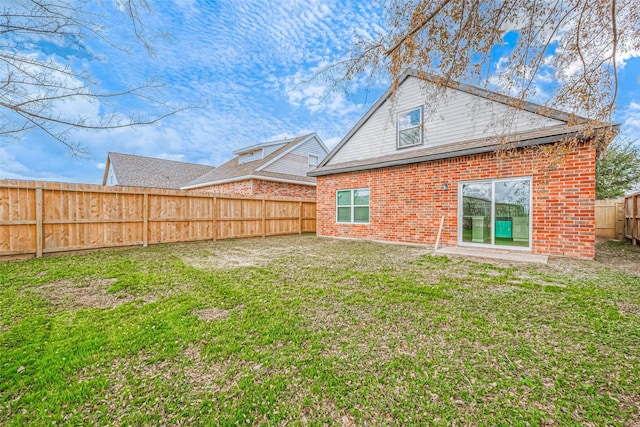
[501,254]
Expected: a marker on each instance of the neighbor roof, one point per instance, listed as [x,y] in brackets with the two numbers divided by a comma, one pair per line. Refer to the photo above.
[138,171]
[235,171]
[262,145]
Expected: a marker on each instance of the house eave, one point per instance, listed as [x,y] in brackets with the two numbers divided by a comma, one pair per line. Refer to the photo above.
[247,177]
[261,145]
[383,163]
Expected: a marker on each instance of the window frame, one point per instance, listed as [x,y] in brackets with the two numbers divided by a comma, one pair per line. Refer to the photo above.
[419,126]
[494,182]
[352,206]
[310,167]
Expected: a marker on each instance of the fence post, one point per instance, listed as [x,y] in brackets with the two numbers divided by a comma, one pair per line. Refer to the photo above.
[299,217]
[215,218]
[264,218]
[619,213]
[39,233]
[145,220]
[634,220]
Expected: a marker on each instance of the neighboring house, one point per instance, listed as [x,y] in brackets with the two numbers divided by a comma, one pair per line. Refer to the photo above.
[427,151]
[138,171]
[276,168]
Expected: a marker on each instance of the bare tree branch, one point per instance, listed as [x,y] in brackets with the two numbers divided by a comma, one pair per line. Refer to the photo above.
[614,48]
[417,28]
[34,88]
[564,55]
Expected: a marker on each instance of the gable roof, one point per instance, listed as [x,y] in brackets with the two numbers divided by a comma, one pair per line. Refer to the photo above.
[472,90]
[262,145]
[233,170]
[139,171]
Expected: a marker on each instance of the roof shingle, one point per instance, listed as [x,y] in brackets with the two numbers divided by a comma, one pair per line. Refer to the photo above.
[139,171]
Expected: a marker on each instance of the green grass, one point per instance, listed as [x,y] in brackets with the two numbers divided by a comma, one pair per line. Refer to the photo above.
[310,331]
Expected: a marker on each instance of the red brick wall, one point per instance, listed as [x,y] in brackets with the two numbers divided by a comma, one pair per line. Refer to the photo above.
[258,187]
[283,189]
[407,202]
[239,187]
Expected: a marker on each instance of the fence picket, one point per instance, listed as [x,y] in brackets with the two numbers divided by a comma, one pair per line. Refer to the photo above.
[48,217]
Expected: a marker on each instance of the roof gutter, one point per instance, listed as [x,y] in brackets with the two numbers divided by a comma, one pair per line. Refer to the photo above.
[247,177]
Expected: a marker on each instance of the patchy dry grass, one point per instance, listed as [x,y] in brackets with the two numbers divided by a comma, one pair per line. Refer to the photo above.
[310,331]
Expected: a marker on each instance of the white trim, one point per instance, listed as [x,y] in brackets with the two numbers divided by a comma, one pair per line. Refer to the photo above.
[352,206]
[420,127]
[261,145]
[309,167]
[252,156]
[290,149]
[492,245]
[246,177]
[107,165]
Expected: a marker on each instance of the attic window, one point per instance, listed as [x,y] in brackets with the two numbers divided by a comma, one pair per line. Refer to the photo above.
[251,156]
[313,161]
[410,128]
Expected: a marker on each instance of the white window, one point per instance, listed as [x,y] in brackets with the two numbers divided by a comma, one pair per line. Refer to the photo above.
[313,161]
[352,206]
[410,128]
[251,156]
[495,213]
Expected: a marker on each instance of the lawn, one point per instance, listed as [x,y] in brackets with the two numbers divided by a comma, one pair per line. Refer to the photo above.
[308,331]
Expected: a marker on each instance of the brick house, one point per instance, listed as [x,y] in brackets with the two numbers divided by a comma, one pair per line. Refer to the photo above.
[276,168]
[431,149]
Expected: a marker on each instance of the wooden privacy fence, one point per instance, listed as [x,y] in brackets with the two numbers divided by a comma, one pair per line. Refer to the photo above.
[610,219]
[632,218]
[45,217]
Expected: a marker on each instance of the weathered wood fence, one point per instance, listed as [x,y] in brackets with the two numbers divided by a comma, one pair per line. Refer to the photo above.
[632,218]
[610,219]
[39,218]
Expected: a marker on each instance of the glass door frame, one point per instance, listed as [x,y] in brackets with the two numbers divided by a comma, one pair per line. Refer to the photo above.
[493,183]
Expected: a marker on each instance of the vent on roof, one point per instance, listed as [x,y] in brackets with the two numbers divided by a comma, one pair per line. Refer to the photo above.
[251,156]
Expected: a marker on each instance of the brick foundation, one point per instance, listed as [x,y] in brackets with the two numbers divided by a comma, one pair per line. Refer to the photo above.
[258,187]
[407,202]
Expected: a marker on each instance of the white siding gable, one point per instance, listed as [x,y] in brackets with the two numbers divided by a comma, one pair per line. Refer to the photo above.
[111,176]
[250,156]
[450,116]
[296,162]
[271,148]
[258,153]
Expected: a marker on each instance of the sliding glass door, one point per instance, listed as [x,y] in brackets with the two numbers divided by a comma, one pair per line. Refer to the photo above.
[495,213]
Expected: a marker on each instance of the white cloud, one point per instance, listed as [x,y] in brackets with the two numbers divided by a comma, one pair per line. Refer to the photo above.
[168,156]
[10,167]
[631,117]
[332,142]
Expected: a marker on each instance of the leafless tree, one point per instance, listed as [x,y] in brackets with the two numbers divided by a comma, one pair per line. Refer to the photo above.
[34,88]
[569,49]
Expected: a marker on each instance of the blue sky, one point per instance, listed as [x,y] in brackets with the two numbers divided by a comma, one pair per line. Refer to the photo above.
[247,64]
